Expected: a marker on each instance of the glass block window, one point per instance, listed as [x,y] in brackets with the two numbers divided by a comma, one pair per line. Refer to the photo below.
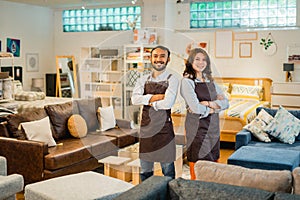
[101,19]
[243,14]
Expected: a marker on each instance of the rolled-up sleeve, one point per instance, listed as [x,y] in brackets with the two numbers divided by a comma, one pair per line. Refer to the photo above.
[138,97]
[224,103]
[187,91]
[170,95]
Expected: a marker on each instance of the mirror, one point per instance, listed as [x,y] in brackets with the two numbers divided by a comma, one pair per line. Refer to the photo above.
[66,81]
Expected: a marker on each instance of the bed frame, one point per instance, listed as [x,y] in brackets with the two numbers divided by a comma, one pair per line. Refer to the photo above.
[230,126]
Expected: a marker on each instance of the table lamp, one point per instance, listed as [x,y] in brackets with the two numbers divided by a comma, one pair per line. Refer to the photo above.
[288,67]
[37,84]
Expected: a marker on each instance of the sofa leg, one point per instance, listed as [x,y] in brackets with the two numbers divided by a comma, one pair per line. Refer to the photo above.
[192,170]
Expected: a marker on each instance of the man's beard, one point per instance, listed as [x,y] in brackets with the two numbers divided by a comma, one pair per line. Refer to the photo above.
[161,68]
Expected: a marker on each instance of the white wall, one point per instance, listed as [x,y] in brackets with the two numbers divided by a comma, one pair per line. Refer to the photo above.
[33,25]
[40,31]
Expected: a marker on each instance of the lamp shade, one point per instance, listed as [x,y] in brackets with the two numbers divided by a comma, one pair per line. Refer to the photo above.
[38,82]
[287,67]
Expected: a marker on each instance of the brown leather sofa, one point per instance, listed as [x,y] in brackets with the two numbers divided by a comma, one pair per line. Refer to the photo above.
[36,161]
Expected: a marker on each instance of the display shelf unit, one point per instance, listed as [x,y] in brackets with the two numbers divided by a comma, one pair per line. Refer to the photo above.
[6,84]
[136,63]
[101,76]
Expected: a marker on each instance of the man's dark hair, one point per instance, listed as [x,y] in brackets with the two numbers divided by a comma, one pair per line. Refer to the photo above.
[163,48]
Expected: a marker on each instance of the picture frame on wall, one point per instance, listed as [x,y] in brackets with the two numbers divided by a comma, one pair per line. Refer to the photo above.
[32,62]
[13,46]
[245,50]
[223,39]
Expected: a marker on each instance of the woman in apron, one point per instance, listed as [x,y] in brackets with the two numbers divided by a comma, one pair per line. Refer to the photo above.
[204,100]
[157,93]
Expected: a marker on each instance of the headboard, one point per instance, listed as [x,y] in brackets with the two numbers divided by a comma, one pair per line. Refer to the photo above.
[266,83]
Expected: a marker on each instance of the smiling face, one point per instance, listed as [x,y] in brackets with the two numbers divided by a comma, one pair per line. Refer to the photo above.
[159,59]
[199,63]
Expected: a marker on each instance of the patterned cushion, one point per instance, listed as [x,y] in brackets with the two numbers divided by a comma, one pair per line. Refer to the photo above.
[246,91]
[132,77]
[284,126]
[256,127]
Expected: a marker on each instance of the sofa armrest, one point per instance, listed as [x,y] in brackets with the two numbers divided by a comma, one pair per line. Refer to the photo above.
[10,185]
[24,157]
[155,187]
[242,138]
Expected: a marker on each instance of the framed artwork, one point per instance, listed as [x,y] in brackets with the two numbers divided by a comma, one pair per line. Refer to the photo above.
[32,62]
[245,36]
[223,44]
[245,50]
[13,46]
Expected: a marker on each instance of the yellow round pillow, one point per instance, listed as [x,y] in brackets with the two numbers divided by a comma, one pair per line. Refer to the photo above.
[77,126]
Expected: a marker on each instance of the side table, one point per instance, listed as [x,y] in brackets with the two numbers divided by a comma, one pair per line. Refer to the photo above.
[115,166]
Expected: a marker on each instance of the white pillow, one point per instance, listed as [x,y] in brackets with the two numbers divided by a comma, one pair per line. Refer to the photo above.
[39,130]
[106,118]
[256,127]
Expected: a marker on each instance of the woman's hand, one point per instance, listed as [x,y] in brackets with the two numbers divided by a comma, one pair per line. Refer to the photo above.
[156,97]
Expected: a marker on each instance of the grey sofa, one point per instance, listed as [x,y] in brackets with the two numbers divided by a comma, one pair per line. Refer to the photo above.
[220,181]
[11,184]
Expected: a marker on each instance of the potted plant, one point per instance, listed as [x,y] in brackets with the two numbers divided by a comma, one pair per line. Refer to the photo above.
[266,42]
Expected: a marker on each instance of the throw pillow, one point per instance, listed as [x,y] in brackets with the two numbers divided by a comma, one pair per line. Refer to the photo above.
[39,130]
[14,120]
[246,91]
[106,118]
[77,126]
[284,126]
[59,115]
[88,110]
[256,126]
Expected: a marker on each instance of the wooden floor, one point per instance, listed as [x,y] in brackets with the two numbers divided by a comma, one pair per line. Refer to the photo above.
[225,153]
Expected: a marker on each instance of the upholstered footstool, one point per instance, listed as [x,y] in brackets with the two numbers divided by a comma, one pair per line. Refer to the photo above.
[81,186]
[265,158]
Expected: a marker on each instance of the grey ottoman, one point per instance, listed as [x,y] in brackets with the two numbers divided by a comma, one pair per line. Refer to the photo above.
[265,158]
[81,186]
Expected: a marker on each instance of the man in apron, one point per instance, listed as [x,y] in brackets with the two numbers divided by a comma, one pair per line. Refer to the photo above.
[157,93]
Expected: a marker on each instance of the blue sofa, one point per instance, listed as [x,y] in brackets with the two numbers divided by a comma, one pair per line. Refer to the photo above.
[274,155]
[245,138]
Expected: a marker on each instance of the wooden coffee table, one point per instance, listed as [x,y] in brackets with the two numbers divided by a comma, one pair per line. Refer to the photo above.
[115,166]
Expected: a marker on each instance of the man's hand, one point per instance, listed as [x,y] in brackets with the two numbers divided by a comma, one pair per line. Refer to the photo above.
[156,97]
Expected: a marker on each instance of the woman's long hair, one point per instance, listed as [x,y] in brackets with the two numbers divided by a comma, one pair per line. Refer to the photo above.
[189,72]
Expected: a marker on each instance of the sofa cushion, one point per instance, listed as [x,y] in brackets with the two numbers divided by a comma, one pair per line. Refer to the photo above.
[269,180]
[187,189]
[39,130]
[284,126]
[256,126]
[255,157]
[59,115]
[88,110]
[77,126]
[14,120]
[68,152]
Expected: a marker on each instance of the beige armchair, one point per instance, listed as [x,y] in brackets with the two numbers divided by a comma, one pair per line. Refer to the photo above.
[11,184]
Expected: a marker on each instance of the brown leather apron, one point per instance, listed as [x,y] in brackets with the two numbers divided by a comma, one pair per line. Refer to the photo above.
[203,135]
[157,143]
